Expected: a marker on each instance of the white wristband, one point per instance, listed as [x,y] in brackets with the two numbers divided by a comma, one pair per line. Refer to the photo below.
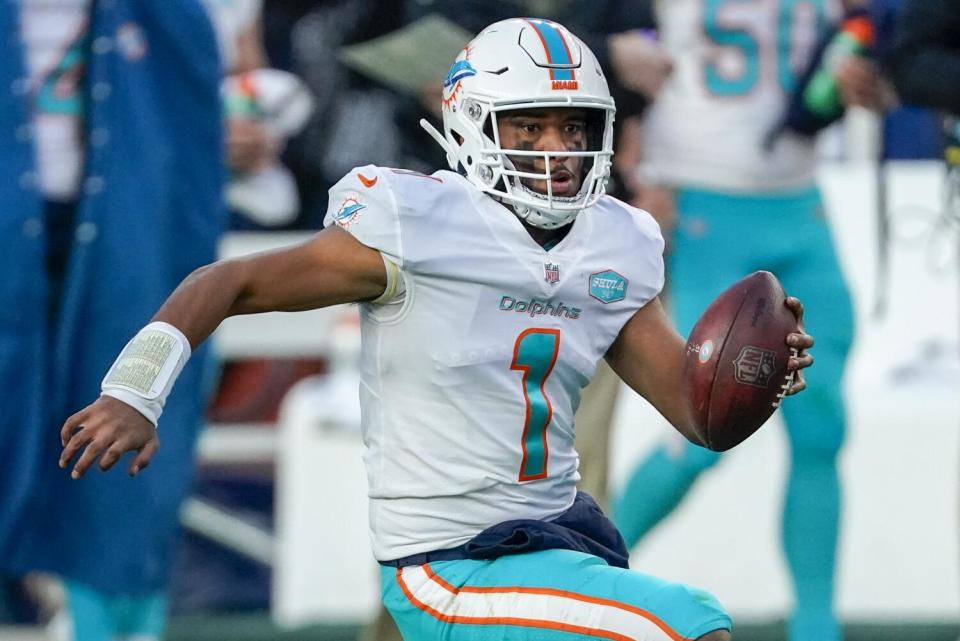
[146,369]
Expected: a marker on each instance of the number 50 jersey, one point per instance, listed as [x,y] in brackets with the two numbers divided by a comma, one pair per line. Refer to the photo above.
[735,64]
[470,381]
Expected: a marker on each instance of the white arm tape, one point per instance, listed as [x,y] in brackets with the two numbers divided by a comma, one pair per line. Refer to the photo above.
[396,286]
[146,369]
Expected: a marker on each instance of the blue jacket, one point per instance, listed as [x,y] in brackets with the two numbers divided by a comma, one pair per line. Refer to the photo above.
[150,212]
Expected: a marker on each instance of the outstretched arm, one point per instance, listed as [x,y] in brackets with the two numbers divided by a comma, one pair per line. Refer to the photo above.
[648,356]
[331,268]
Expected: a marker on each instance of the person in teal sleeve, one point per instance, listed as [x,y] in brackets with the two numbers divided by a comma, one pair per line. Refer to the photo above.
[112,155]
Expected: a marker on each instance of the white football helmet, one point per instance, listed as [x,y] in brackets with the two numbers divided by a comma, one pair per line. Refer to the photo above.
[525,63]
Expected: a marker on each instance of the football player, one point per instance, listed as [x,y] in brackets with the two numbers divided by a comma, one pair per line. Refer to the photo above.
[744,202]
[488,295]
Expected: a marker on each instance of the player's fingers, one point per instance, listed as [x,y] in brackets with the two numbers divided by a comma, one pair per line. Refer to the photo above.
[860,77]
[242,128]
[240,157]
[850,98]
[868,95]
[75,442]
[857,79]
[252,155]
[251,137]
[94,449]
[796,307]
[863,95]
[800,340]
[71,425]
[143,457]
[113,454]
[799,384]
[800,361]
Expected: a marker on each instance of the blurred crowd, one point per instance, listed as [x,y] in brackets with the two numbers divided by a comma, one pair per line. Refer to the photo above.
[358,120]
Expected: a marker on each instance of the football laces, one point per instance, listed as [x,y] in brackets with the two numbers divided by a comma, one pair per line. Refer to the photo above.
[788,381]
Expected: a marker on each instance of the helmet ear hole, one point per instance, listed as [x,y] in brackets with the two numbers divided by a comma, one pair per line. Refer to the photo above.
[488,128]
[469,161]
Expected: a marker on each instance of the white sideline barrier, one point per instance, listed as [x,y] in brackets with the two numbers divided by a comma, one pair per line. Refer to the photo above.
[899,557]
[324,570]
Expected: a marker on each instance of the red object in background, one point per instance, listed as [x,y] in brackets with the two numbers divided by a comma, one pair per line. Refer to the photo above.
[250,391]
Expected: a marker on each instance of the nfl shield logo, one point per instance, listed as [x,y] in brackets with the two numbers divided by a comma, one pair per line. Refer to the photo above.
[755,366]
[551,273]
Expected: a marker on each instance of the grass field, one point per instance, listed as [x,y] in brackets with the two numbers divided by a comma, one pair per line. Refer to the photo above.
[258,627]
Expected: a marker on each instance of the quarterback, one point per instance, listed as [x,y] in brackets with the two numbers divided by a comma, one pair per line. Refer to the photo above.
[488,295]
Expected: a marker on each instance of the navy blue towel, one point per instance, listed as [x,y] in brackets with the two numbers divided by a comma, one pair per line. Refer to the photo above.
[583,528]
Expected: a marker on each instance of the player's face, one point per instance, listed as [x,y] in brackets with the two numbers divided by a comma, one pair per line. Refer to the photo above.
[557,129]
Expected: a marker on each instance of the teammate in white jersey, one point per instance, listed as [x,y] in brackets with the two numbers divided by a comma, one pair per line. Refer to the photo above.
[708,138]
[488,296]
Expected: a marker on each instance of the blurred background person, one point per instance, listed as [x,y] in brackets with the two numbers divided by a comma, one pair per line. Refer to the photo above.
[264,108]
[110,117]
[909,132]
[358,120]
[354,119]
[925,64]
[734,191]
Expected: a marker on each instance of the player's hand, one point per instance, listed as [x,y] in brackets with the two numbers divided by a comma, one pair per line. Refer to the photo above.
[861,84]
[640,64]
[108,429]
[249,146]
[801,341]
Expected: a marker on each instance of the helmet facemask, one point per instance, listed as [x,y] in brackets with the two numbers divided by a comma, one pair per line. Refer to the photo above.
[529,189]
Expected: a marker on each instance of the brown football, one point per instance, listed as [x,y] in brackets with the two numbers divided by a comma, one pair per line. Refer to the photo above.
[735,361]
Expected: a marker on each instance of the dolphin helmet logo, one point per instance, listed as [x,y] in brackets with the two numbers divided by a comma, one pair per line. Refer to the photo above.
[461,69]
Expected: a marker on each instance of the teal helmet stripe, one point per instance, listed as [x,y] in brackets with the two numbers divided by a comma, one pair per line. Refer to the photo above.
[555,45]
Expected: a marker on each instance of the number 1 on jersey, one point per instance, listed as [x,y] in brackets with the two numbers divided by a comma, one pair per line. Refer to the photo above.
[535,354]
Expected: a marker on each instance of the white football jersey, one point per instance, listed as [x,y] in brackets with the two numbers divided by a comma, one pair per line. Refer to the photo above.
[470,382]
[54,35]
[735,63]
